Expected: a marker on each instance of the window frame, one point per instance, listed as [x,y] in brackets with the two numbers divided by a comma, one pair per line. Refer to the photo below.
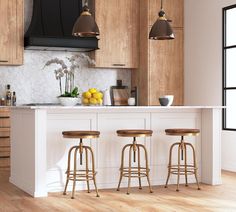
[224,50]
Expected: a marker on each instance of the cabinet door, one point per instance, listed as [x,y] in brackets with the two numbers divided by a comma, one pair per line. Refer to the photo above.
[118,24]
[166,69]
[173,8]
[11,28]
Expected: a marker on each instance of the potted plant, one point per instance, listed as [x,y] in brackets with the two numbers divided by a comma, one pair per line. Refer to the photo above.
[65,75]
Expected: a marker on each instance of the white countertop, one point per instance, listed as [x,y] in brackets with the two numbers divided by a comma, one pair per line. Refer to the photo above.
[112,108]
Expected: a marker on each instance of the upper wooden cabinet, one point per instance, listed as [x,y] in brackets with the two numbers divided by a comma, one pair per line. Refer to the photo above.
[118,21]
[173,8]
[161,69]
[11,28]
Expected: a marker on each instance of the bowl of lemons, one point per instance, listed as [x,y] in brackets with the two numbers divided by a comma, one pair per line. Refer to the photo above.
[92,97]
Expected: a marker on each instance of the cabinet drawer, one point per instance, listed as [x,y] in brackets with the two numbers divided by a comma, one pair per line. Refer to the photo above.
[4,132]
[4,122]
[4,142]
[4,112]
[4,163]
[5,152]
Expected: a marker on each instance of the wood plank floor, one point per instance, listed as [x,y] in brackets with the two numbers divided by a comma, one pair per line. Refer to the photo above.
[217,198]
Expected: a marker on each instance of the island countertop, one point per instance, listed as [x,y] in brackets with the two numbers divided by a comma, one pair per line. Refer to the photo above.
[113,108]
[39,149]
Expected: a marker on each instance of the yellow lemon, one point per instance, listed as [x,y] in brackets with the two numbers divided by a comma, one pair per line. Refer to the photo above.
[87,95]
[100,101]
[85,101]
[93,101]
[92,90]
[98,95]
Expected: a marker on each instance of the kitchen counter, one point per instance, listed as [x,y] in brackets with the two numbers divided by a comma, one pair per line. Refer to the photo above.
[51,107]
[39,152]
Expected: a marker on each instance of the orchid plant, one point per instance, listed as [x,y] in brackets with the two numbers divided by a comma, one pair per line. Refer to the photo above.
[66,74]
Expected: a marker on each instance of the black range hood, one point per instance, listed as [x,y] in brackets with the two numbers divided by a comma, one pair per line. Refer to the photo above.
[51,27]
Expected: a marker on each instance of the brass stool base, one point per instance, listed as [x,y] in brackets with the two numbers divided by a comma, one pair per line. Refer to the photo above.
[180,169]
[81,175]
[134,172]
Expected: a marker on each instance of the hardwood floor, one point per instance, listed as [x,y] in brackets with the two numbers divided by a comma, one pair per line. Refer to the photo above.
[210,198]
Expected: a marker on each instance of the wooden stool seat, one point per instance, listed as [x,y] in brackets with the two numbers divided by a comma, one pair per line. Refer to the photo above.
[134,133]
[81,134]
[182,132]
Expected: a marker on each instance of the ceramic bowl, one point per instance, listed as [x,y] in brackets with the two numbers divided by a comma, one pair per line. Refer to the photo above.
[68,101]
[166,100]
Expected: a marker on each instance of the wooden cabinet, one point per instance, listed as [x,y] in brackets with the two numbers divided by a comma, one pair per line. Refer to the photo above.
[174,11]
[11,28]
[4,138]
[166,68]
[161,70]
[118,21]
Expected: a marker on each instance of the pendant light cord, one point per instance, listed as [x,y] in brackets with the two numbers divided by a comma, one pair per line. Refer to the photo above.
[161,4]
[86,3]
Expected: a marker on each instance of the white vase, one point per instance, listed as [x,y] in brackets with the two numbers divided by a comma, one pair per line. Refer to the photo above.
[68,101]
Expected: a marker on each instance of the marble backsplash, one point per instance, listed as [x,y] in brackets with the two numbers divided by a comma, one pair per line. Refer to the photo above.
[34,84]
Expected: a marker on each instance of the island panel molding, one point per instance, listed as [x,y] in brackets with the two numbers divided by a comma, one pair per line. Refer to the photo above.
[39,149]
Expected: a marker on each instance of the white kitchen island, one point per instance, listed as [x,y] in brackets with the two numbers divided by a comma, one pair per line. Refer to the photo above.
[39,152]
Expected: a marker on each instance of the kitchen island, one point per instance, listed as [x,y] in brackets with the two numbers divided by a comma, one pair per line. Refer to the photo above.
[39,152]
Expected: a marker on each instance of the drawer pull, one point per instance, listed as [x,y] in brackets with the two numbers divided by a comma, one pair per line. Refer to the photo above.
[4,136]
[1,157]
[3,61]
[119,65]
[4,117]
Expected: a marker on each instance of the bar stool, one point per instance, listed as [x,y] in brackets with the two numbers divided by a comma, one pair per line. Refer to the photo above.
[81,175]
[134,172]
[182,169]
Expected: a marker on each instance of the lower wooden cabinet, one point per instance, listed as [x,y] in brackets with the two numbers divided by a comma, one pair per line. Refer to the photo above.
[5,146]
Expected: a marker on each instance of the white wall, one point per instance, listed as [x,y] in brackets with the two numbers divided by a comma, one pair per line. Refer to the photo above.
[32,84]
[203,63]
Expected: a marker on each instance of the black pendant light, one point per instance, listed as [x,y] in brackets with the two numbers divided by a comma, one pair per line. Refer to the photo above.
[161,29]
[85,25]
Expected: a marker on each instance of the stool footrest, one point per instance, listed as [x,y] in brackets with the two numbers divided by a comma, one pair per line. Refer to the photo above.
[135,172]
[81,175]
[189,169]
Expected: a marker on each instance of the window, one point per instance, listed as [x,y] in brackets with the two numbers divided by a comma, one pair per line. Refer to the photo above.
[229,67]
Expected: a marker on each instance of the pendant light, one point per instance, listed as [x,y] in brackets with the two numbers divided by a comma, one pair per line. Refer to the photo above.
[161,29]
[85,25]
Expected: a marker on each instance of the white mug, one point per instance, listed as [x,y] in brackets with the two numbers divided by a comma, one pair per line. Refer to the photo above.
[131,101]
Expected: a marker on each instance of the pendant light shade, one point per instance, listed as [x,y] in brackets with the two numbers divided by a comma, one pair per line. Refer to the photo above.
[161,29]
[85,25]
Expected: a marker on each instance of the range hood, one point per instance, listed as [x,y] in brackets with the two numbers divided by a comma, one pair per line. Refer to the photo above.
[51,27]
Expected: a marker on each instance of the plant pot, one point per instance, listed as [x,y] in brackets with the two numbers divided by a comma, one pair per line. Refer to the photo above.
[68,101]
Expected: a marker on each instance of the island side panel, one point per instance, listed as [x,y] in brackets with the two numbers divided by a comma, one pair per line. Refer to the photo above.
[211,146]
[28,151]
